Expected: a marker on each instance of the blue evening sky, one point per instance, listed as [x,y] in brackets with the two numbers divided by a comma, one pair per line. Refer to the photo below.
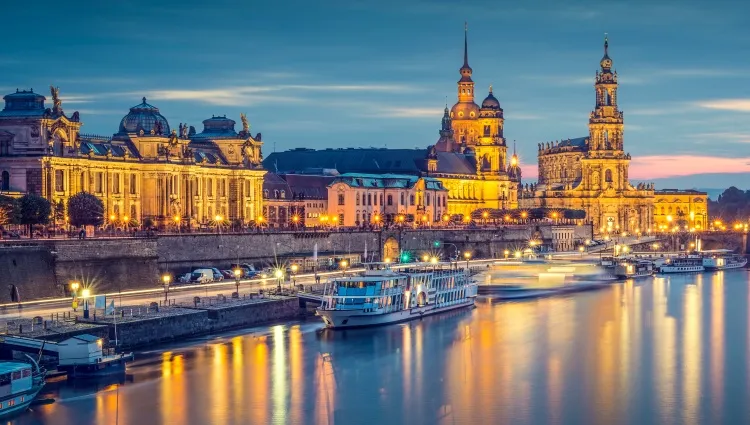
[332,73]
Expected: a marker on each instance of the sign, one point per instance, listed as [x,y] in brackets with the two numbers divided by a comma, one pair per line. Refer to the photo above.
[100,301]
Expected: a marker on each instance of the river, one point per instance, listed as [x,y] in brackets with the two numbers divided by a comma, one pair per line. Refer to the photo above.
[669,350]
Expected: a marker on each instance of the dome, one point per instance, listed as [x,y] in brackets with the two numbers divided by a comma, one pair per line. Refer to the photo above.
[490,102]
[144,117]
[218,127]
[464,111]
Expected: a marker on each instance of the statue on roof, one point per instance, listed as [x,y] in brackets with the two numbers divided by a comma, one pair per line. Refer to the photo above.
[76,117]
[184,131]
[245,124]
[191,131]
[157,128]
[56,102]
[173,138]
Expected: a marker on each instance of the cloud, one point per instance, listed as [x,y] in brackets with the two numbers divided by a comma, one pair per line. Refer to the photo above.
[522,117]
[737,105]
[661,166]
[407,112]
[726,136]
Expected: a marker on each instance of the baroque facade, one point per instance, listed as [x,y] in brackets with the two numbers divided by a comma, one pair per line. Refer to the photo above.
[591,173]
[145,170]
[686,208]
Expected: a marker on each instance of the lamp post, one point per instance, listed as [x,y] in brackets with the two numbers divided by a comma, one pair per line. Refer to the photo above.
[218,219]
[467,256]
[74,285]
[343,265]
[581,249]
[237,273]
[165,280]
[85,294]
[294,274]
[177,223]
[279,275]
[425,258]
[506,253]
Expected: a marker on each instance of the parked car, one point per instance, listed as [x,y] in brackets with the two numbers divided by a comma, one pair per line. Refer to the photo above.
[218,277]
[185,278]
[202,276]
[11,235]
[228,274]
[248,270]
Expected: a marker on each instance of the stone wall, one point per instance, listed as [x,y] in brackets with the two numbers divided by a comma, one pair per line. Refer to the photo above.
[31,268]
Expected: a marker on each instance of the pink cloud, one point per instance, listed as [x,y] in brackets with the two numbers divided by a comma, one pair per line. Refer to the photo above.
[659,166]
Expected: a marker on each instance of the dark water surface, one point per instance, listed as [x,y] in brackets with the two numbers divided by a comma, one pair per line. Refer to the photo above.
[659,351]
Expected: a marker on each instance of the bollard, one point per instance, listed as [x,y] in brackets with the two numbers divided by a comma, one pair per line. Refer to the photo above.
[20,328]
[122,313]
[45,325]
[95,316]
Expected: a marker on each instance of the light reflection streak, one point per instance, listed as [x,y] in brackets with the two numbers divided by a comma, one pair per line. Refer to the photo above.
[220,383]
[279,379]
[717,345]
[238,377]
[664,352]
[297,379]
[173,390]
[691,351]
[260,381]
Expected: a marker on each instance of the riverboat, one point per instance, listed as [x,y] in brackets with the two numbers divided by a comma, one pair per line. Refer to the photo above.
[19,385]
[632,268]
[682,264]
[723,259]
[381,295]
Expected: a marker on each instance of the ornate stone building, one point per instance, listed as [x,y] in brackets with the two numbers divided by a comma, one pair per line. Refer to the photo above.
[685,208]
[591,173]
[146,169]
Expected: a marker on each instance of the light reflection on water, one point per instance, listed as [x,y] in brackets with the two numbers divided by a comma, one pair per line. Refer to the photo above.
[659,351]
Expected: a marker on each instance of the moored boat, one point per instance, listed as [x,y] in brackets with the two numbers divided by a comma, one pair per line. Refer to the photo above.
[19,384]
[723,259]
[632,268]
[381,296]
[682,264]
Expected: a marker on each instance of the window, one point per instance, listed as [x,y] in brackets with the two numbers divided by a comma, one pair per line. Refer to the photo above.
[222,187]
[375,199]
[403,202]
[428,199]
[357,199]
[83,183]
[283,194]
[411,200]
[99,182]
[390,200]
[369,199]
[486,131]
[381,199]
[341,199]
[341,219]
[133,180]
[132,212]
[265,193]
[209,187]
[608,176]
[59,181]
[115,183]
[5,182]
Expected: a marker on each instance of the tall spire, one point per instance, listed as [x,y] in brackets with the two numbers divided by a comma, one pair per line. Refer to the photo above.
[466,44]
[606,44]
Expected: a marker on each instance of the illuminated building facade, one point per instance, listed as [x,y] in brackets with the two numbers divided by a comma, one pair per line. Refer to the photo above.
[591,173]
[684,208]
[295,200]
[145,170]
[356,199]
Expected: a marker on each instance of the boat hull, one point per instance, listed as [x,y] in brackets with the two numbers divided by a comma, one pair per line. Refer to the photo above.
[727,266]
[97,370]
[348,319]
[20,406]
[681,269]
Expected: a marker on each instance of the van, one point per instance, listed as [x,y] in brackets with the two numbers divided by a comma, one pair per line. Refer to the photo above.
[202,276]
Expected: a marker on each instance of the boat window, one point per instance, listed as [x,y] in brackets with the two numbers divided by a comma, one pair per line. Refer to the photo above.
[26,373]
[17,375]
[5,379]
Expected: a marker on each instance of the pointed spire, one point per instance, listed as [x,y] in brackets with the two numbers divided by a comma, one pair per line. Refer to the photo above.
[466,44]
[606,44]
[490,88]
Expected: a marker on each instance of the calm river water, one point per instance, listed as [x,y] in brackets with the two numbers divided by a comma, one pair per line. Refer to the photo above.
[660,351]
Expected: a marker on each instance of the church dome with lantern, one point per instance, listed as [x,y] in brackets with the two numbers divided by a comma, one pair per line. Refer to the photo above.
[144,117]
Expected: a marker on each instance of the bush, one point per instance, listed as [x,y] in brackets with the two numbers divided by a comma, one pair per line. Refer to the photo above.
[85,209]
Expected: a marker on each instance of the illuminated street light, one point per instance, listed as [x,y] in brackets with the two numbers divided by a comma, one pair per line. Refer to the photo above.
[467,256]
[433,260]
[85,294]
[237,274]
[165,279]
[278,274]
[506,253]
[425,258]
[517,254]
[387,260]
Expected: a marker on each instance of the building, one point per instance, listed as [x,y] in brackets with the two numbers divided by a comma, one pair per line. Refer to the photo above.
[469,157]
[685,208]
[591,173]
[356,199]
[145,170]
[293,200]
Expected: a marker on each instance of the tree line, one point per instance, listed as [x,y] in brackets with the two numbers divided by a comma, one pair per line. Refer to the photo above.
[732,206]
[82,209]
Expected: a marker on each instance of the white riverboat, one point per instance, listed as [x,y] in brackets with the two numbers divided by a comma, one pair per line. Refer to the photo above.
[630,268]
[722,259]
[682,264]
[19,385]
[380,295]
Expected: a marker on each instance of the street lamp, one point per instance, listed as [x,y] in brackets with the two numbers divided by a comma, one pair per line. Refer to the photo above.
[85,294]
[294,274]
[218,220]
[295,220]
[165,280]
[581,249]
[343,265]
[506,253]
[279,274]
[433,260]
[237,273]
[467,256]
[74,285]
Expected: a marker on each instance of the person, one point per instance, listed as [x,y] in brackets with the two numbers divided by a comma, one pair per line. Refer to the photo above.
[81,234]
[14,295]
[317,279]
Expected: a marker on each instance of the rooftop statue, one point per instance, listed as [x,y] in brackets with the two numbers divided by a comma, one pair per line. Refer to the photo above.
[56,102]
[245,124]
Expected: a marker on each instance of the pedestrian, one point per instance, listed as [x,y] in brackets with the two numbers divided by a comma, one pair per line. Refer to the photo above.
[14,296]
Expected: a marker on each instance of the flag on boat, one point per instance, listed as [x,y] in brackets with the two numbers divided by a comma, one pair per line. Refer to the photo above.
[110,309]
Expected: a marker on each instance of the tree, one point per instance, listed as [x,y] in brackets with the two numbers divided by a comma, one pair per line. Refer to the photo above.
[148,223]
[33,209]
[85,209]
[8,210]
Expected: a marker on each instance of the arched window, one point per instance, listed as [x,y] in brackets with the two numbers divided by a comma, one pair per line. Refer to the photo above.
[608,176]
[390,200]
[357,198]
[5,181]
[283,194]
[265,193]
[276,194]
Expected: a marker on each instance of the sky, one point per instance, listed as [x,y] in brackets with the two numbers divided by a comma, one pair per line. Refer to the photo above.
[356,73]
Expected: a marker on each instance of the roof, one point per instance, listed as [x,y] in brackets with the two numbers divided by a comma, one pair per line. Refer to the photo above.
[368,160]
[577,142]
[217,128]
[83,337]
[6,367]
[310,186]
[679,192]
[386,181]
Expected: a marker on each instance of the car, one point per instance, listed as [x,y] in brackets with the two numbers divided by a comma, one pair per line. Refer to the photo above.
[218,277]
[11,235]
[202,276]
[228,274]
[185,278]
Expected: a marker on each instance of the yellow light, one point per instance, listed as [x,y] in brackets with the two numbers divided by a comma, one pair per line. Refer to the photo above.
[507,217]
[517,254]
[581,248]
[445,217]
[344,263]
[467,218]
[554,215]
[237,272]
[524,214]
[176,219]
[655,246]
[467,255]
[260,219]
[506,252]
[125,219]
[532,243]
[625,248]
[112,217]
[624,234]
[376,218]
[294,268]
[295,218]
[218,218]
[387,260]
[74,286]
[278,273]
[424,217]
[669,219]
[335,218]
[717,223]
[400,218]
[86,293]
[166,278]
[425,258]
[513,161]
[485,214]
[433,260]
[588,241]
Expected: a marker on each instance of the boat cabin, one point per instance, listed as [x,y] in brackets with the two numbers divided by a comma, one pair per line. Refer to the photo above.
[15,377]
[80,350]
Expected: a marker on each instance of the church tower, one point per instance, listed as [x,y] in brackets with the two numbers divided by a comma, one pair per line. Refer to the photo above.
[465,112]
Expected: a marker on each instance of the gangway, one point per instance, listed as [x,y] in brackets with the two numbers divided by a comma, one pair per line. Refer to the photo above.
[30,345]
